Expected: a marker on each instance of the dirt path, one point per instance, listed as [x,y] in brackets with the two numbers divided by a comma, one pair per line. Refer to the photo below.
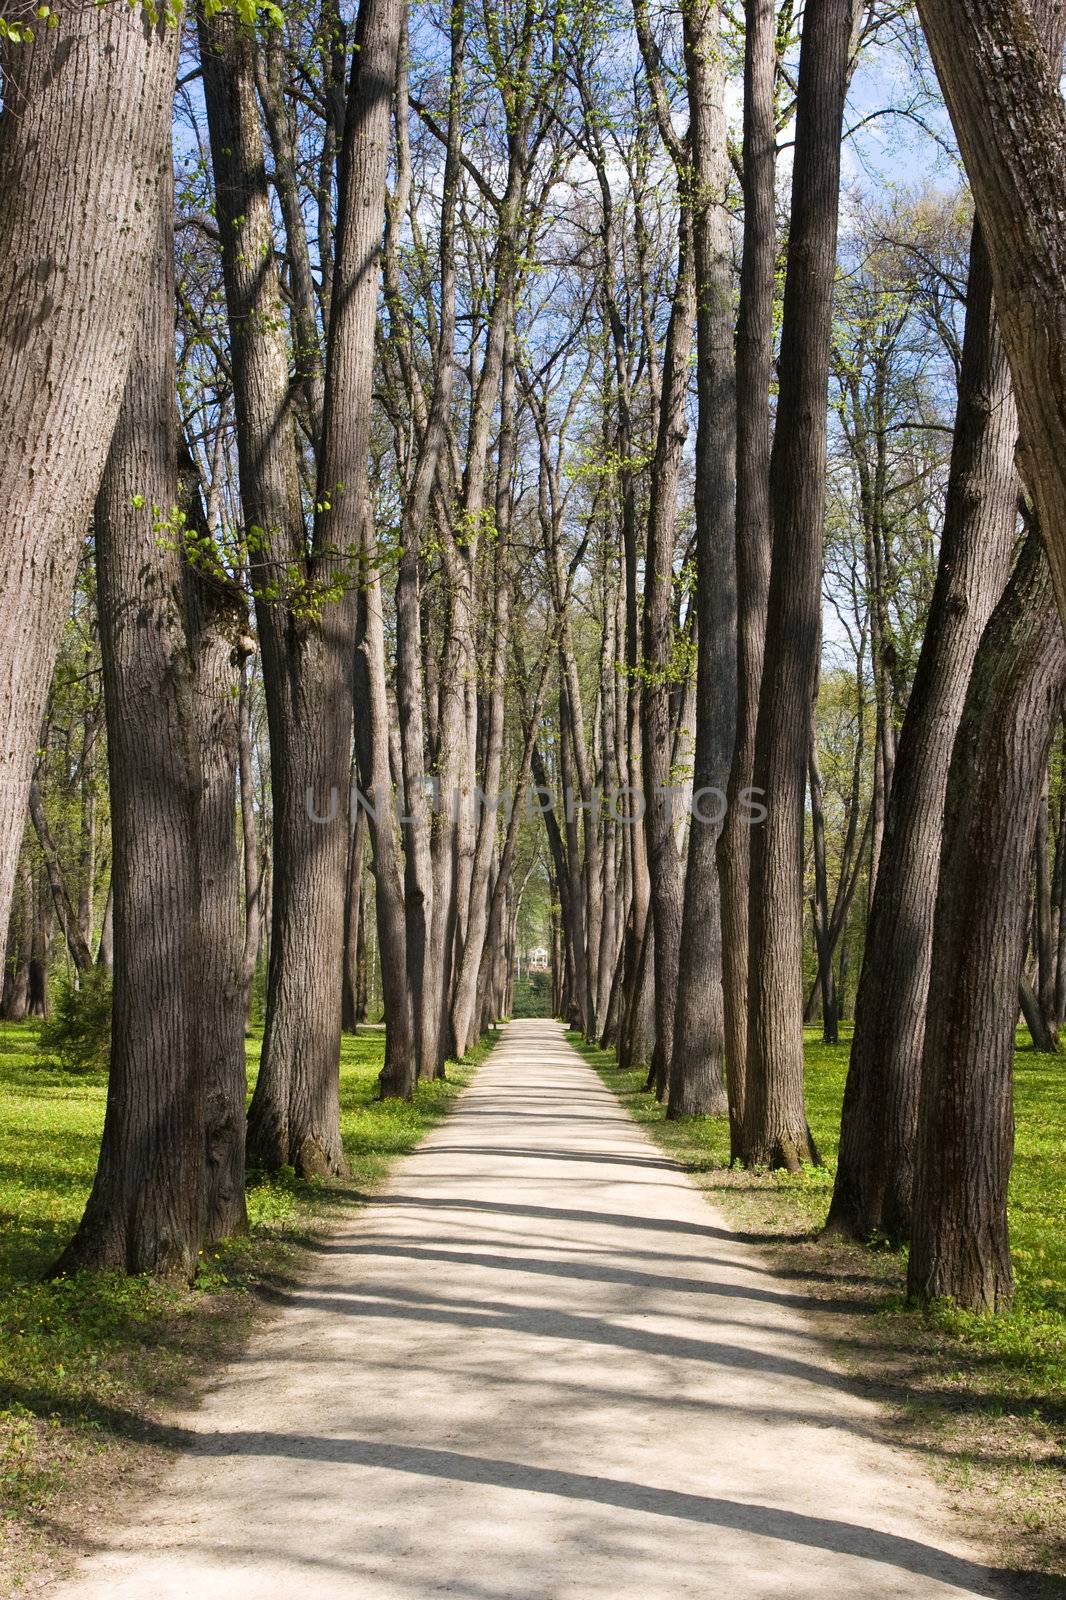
[537,1367]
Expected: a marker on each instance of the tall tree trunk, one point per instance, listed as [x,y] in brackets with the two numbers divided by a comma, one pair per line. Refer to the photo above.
[872,1191]
[959,1243]
[753,533]
[254,873]
[307,650]
[664,860]
[146,1209]
[775,1126]
[465,1010]
[86,114]
[218,642]
[696,1087]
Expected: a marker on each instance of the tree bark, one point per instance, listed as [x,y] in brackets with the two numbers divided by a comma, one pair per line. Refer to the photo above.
[146,1209]
[959,1242]
[696,1086]
[872,1190]
[657,732]
[775,1129]
[1002,88]
[84,147]
[753,525]
[216,621]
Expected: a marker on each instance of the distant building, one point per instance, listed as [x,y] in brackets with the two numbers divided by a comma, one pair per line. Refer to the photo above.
[537,959]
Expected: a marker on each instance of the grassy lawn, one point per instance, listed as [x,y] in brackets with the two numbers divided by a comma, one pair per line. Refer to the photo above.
[983,1398]
[87,1365]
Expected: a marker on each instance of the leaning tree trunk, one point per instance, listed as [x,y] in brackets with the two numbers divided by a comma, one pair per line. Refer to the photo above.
[77,944]
[959,1242]
[775,1125]
[84,146]
[875,1170]
[696,1087]
[753,530]
[1003,91]
[146,1209]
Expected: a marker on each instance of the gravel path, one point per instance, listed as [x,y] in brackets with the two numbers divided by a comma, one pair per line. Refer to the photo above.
[538,1366]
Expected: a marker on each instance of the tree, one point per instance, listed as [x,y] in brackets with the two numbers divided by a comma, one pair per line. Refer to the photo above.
[696,1086]
[87,108]
[147,1206]
[874,1174]
[754,360]
[775,1127]
[959,1243]
[1002,89]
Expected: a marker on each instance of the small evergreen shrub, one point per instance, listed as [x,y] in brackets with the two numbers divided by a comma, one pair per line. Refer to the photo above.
[78,1033]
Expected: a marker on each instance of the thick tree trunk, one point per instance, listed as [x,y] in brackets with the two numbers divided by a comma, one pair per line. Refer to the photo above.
[146,1209]
[1003,91]
[696,1086]
[775,1129]
[84,147]
[959,1243]
[753,532]
[872,1192]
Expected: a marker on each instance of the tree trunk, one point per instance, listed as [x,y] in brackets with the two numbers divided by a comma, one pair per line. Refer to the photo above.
[872,1191]
[254,874]
[1002,88]
[146,1209]
[775,1129]
[753,533]
[664,861]
[820,903]
[307,647]
[87,109]
[216,619]
[959,1243]
[696,1086]
[19,954]
[80,953]
[353,917]
[1040,1030]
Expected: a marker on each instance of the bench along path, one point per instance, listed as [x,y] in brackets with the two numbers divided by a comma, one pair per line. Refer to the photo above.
[537,1367]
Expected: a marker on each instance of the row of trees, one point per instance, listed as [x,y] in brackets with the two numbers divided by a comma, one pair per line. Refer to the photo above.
[525,423]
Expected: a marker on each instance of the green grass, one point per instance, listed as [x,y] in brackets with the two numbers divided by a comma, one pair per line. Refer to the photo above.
[87,1363]
[984,1396]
